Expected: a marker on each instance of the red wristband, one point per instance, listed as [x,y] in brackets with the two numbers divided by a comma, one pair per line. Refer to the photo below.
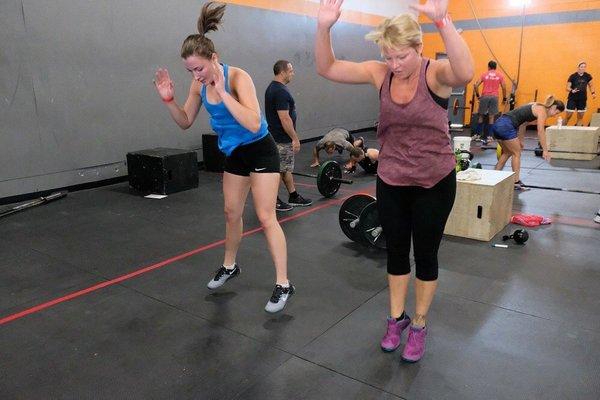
[440,23]
[168,100]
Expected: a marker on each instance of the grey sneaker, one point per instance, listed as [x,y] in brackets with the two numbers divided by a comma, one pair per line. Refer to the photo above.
[279,298]
[222,276]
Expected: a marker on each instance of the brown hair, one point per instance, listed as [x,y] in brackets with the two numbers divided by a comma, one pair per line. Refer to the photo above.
[551,101]
[357,152]
[329,145]
[198,44]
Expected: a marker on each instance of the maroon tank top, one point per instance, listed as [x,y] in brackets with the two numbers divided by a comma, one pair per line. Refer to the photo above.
[414,137]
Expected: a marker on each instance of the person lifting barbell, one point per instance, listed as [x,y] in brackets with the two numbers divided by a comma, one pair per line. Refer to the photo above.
[510,127]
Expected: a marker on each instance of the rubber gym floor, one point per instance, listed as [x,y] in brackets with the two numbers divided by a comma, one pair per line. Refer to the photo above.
[103,296]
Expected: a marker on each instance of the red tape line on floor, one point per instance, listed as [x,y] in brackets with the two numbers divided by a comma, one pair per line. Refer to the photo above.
[153,267]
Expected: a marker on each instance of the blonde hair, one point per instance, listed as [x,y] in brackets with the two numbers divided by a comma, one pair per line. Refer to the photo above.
[198,44]
[399,31]
[551,101]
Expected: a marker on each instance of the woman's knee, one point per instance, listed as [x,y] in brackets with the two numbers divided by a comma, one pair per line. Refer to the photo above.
[426,271]
[398,262]
[267,217]
[398,268]
[233,213]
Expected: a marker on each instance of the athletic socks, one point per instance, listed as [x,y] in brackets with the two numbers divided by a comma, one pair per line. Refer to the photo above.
[229,267]
[400,318]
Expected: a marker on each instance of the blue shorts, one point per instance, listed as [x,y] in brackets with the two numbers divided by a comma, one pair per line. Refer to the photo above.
[503,129]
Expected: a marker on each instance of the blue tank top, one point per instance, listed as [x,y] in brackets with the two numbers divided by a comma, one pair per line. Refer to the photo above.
[230,132]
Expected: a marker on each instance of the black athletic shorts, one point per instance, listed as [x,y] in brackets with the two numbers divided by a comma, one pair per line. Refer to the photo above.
[261,156]
[576,104]
[367,164]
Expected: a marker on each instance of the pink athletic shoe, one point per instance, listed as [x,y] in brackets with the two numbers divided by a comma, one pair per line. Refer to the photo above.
[391,339]
[415,345]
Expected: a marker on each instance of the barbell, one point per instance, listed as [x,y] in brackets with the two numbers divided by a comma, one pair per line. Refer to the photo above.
[329,178]
[34,203]
[498,149]
[456,106]
[538,151]
[359,220]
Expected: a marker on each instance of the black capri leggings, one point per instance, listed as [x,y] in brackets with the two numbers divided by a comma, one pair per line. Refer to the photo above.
[413,211]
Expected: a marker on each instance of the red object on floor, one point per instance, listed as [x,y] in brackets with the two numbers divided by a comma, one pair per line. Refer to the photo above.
[530,220]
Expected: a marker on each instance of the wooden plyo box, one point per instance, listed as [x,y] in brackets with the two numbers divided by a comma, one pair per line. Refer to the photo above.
[595,121]
[573,142]
[482,208]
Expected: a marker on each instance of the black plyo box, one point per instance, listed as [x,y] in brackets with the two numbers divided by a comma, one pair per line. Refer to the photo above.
[162,170]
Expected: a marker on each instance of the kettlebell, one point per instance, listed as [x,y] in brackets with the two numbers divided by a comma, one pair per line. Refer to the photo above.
[459,153]
[520,236]
[464,164]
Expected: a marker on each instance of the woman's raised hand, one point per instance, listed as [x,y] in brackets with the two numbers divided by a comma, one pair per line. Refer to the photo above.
[329,13]
[164,84]
[436,10]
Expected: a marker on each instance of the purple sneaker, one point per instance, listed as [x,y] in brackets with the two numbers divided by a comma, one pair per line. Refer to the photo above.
[415,345]
[391,340]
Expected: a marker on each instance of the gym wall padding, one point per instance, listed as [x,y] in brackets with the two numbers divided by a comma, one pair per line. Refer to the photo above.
[76,82]
[557,36]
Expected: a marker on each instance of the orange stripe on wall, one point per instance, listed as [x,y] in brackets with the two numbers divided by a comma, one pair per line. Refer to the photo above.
[308,8]
[494,8]
[460,10]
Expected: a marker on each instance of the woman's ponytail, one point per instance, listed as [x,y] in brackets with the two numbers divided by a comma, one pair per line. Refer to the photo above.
[210,17]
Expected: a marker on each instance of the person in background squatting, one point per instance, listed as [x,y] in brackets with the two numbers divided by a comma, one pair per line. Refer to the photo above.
[509,130]
[252,160]
[365,157]
[416,181]
[338,139]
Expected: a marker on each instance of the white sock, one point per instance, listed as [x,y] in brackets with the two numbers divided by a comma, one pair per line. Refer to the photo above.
[285,285]
[229,267]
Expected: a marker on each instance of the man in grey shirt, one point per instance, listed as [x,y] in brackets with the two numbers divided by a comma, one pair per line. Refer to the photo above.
[336,139]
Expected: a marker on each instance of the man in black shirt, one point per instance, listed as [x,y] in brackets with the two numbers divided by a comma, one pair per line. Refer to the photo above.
[280,111]
[577,85]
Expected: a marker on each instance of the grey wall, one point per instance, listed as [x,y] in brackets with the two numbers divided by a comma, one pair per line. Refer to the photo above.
[76,89]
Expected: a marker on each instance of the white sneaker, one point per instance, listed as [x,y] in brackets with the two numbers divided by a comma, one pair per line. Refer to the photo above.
[279,298]
[222,276]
